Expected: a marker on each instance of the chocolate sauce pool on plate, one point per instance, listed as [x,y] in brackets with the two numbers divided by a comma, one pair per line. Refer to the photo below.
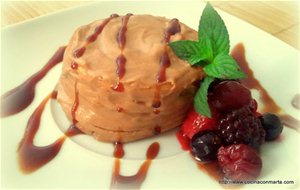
[17,99]
[32,157]
[296,102]
[269,105]
[134,181]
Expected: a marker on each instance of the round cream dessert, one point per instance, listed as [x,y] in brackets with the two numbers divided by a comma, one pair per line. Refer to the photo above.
[120,80]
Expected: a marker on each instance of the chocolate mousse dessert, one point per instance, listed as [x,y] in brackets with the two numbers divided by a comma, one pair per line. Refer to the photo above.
[130,77]
[121,81]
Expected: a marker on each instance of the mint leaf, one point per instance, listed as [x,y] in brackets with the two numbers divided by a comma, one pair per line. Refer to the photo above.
[206,49]
[195,59]
[200,100]
[193,52]
[184,49]
[224,67]
[212,26]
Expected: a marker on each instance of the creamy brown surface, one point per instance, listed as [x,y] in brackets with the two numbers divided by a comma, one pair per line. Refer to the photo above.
[96,73]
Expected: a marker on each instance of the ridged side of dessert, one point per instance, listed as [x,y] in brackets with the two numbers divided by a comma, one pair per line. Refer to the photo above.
[121,82]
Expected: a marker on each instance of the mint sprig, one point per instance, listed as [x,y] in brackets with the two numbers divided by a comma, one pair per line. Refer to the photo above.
[211,51]
[223,67]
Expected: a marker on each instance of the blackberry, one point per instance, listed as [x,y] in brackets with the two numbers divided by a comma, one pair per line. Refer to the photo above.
[241,126]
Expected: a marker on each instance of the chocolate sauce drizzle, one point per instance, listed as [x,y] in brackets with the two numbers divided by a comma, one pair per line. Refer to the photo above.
[269,105]
[28,162]
[157,130]
[120,109]
[296,102]
[121,59]
[135,181]
[118,151]
[32,157]
[172,29]
[42,155]
[75,104]
[90,39]
[19,98]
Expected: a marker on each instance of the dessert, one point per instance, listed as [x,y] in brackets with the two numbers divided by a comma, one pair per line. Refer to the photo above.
[131,85]
[227,131]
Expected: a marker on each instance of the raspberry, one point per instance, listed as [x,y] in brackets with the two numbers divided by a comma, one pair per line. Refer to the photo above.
[241,126]
[195,123]
[253,105]
[183,140]
[239,162]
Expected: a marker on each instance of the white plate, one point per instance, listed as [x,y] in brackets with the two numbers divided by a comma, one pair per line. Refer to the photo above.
[27,46]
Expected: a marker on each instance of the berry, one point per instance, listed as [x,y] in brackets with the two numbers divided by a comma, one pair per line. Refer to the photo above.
[239,162]
[241,126]
[230,95]
[183,140]
[195,123]
[272,126]
[253,105]
[204,146]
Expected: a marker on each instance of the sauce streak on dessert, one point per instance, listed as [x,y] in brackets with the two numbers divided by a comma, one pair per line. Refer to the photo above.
[17,99]
[296,101]
[74,65]
[121,59]
[157,130]
[172,29]
[79,52]
[135,181]
[118,151]
[90,39]
[238,53]
[73,131]
[156,111]
[75,104]
[119,109]
[121,37]
[33,157]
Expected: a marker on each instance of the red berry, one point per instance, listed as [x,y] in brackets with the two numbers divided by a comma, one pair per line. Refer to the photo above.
[195,123]
[239,162]
[253,105]
[230,95]
[183,140]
